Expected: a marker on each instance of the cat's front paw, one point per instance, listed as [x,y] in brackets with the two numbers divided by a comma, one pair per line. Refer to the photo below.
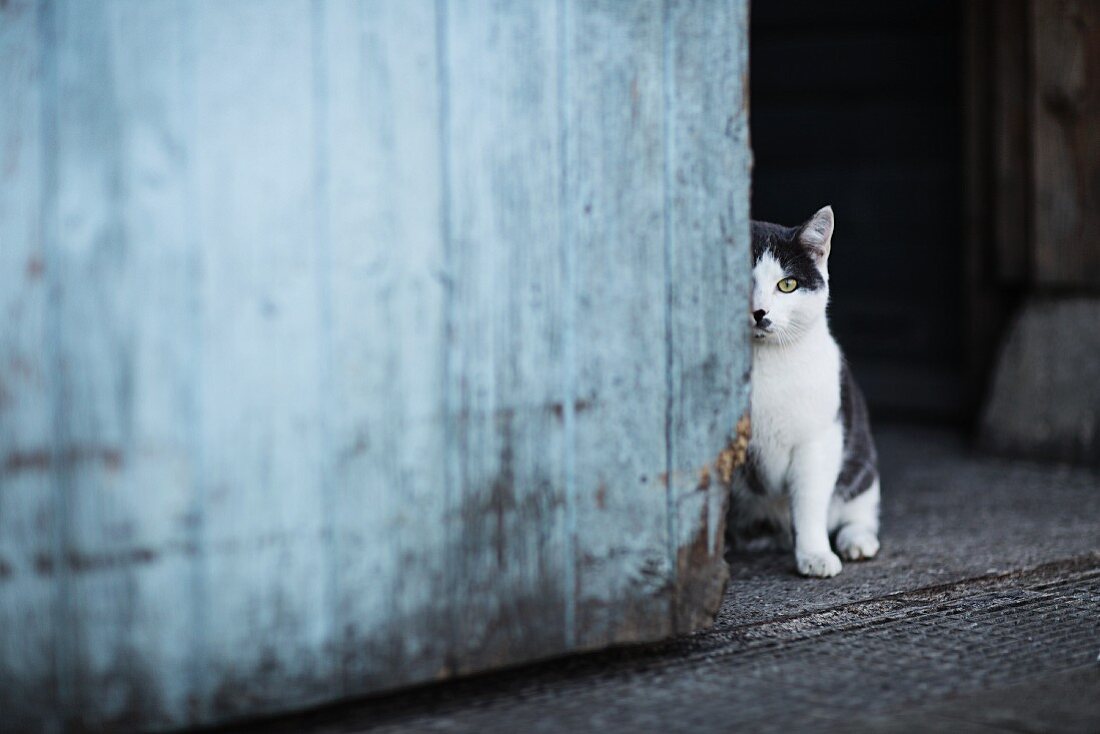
[819,565]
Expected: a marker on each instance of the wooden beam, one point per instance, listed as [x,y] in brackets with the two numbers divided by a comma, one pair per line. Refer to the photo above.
[1011,140]
[1065,101]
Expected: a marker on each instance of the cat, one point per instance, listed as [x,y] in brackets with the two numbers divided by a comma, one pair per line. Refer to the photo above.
[811,470]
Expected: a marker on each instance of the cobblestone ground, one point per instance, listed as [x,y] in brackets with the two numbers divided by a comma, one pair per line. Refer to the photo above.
[981,614]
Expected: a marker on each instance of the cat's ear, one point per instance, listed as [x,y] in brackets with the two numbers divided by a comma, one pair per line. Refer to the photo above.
[816,234]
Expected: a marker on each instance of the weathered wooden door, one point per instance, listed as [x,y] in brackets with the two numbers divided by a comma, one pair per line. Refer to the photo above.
[346,345]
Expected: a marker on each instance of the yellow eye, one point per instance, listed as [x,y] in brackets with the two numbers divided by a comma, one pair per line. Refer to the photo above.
[787,285]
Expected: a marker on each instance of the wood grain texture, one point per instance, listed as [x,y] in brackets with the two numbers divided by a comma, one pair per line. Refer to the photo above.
[1065,67]
[125,296]
[386,266]
[1011,139]
[29,600]
[349,345]
[262,384]
[614,93]
[506,507]
[706,135]
[981,295]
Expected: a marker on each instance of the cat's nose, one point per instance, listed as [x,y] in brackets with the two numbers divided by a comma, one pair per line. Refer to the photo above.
[759,315]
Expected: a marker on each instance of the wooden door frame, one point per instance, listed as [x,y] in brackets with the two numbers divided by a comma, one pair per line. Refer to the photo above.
[996,164]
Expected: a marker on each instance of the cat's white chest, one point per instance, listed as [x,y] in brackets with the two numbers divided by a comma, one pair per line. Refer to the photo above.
[795,399]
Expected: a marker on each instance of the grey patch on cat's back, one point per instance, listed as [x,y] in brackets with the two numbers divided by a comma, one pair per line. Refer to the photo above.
[752,476]
[859,469]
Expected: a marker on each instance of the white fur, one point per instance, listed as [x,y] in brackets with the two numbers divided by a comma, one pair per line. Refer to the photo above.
[797,437]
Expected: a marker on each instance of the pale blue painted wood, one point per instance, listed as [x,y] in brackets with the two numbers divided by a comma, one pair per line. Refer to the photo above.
[505,323]
[707,132]
[349,345]
[261,380]
[388,282]
[102,390]
[122,236]
[27,520]
[614,94]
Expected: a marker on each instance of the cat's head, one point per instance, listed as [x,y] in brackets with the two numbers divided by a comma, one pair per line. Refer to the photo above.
[790,278]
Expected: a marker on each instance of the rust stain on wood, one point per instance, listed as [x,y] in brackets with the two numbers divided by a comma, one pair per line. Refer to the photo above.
[43,459]
[45,565]
[701,571]
[701,477]
[18,461]
[701,574]
[507,414]
[35,268]
[579,406]
[736,451]
[502,495]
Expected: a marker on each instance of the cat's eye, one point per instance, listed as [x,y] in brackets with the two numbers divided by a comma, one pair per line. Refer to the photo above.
[787,285]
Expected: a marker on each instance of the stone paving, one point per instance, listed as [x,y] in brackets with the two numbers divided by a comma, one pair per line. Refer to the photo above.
[982,613]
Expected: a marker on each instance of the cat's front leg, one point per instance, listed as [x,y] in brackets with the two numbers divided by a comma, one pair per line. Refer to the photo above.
[813,472]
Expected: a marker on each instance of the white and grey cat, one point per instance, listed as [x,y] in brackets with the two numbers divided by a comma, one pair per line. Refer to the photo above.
[811,472]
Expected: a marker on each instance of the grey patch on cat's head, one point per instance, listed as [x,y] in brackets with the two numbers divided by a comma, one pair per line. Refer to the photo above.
[782,312]
[799,250]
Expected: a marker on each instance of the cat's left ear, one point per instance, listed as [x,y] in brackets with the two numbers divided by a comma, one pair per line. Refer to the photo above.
[817,233]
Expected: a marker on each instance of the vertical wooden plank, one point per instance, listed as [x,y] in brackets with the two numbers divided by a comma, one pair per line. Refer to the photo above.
[388,279]
[707,239]
[1065,100]
[93,340]
[269,621]
[115,242]
[1011,140]
[28,684]
[506,325]
[153,540]
[615,164]
[985,299]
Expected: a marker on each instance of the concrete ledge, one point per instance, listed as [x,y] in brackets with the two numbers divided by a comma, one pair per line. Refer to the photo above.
[1045,397]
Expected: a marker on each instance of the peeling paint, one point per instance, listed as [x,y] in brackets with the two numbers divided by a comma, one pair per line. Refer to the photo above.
[702,574]
[736,451]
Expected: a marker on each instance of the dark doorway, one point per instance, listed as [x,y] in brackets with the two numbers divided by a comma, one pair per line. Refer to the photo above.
[858,104]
